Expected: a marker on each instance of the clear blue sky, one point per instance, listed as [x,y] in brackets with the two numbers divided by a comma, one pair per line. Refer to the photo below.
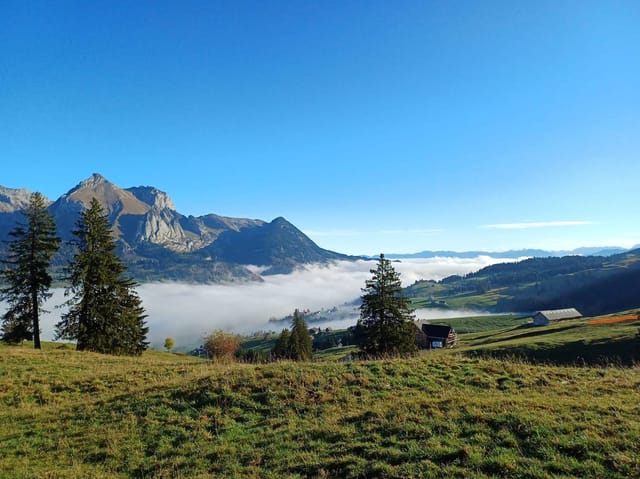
[392,126]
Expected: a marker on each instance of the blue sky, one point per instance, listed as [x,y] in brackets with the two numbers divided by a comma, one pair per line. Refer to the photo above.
[372,126]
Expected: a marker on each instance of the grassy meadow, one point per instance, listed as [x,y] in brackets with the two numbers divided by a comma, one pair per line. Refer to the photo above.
[579,342]
[66,414]
[476,324]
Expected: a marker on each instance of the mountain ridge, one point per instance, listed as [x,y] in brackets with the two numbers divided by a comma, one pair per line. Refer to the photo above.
[158,243]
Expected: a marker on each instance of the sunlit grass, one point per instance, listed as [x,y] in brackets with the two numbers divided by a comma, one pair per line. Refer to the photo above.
[566,342]
[69,414]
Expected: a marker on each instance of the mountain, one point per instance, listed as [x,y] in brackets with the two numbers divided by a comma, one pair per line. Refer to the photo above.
[158,243]
[514,254]
[592,284]
[12,201]
[278,243]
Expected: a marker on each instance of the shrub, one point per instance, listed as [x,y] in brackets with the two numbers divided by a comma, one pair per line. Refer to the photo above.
[221,346]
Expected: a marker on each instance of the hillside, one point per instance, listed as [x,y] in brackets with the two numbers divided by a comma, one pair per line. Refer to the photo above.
[592,284]
[69,414]
[601,340]
[158,243]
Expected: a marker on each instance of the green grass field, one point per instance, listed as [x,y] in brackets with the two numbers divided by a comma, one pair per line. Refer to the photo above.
[566,342]
[475,324]
[66,414]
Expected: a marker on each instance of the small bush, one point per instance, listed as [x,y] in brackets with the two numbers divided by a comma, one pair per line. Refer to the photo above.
[221,346]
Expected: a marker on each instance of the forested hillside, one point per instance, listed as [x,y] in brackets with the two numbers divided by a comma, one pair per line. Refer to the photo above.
[594,285]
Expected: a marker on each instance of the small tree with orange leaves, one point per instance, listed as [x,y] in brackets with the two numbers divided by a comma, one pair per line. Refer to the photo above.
[221,346]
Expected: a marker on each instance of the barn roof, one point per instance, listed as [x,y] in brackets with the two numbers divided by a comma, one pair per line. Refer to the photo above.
[436,330]
[557,314]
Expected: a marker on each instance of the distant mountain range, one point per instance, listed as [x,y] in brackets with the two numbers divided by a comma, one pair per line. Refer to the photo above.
[159,243]
[514,254]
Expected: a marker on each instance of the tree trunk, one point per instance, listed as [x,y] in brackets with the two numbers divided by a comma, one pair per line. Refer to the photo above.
[36,321]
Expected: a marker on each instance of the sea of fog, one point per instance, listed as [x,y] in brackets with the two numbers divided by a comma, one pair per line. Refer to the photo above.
[187,312]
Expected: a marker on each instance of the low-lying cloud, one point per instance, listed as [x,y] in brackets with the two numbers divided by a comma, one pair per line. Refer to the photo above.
[188,312]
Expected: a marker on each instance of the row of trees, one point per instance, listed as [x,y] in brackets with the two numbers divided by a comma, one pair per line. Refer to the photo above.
[297,344]
[104,314]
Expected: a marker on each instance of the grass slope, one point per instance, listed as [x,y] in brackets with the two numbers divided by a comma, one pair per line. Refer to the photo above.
[66,414]
[475,324]
[565,342]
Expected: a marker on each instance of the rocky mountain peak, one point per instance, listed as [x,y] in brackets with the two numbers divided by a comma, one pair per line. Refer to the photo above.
[94,180]
[112,198]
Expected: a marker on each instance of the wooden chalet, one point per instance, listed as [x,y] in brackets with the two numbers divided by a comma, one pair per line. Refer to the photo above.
[435,336]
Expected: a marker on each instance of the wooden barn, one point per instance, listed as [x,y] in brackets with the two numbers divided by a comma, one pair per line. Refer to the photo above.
[435,336]
[542,318]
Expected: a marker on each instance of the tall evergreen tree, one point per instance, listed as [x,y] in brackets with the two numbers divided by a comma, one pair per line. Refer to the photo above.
[26,277]
[105,313]
[386,317]
[300,343]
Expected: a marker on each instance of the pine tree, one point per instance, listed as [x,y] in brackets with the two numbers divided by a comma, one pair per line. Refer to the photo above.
[386,317]
[27,278]
[300,343]
[105,313]
[281,348]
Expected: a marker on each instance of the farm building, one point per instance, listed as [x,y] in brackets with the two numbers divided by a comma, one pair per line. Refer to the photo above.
[433,336]
[542,318]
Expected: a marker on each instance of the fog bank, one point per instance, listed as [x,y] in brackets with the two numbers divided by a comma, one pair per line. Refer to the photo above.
[188,312]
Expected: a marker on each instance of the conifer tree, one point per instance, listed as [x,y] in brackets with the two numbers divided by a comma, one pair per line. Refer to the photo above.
[26,277]
[386,317]
[105,313]
[300,343]
[281,348]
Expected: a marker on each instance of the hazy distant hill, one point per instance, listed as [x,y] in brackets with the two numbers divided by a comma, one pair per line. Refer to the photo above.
[514,254]
[159,243]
